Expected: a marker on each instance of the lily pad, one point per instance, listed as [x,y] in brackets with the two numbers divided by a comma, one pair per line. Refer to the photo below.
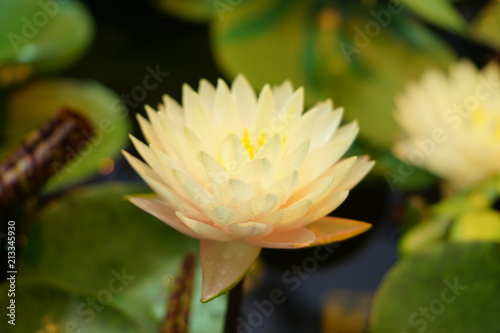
[32,105]
[95,244]
[43,35]
[447,288]
[339,51]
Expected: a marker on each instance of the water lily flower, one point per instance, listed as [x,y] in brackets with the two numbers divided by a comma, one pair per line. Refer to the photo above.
[242,173]
[452,124]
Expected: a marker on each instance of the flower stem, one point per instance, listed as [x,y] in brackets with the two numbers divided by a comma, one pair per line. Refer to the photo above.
[234,307]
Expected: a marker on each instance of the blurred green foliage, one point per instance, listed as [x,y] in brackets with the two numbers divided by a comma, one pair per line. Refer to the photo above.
[446,288]
[94,244]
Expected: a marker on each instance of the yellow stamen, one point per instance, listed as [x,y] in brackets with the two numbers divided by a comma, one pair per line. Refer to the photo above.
[248,144]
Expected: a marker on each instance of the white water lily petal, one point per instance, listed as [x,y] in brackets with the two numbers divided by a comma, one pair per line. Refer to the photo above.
[259,206]
[320,160]
[249,229]
[173,110]
[233,155]
[285,187]
[204,230]
[225,112]
[451,124]
[265,112]
[291,239]
[162,211]
[223,265]
[289,213]
[282,93]
[259,173]
[245,98]
[358,171]
[293,161]
[335,229]
[242,172]
[235,192]
[207,94]
[148,131]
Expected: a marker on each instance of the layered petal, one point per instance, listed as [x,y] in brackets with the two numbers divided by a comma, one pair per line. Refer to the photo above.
[224,264]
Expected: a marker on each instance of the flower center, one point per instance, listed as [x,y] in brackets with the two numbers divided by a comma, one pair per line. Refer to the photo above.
[251,147]
[479,120]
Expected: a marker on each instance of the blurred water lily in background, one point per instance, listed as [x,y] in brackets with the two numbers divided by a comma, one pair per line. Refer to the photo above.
[241,173]
[453,124]
[246,180]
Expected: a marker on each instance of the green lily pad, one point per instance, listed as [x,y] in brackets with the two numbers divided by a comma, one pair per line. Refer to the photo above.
[94,243]
[32,105]
[50,309]
[43,35]
[485,25]
[447,288]
[360,59]
[439,12]
[478,225]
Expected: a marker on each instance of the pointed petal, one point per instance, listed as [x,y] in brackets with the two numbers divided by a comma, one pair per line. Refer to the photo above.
[233,154]
[287,214]
[249,229]
[358,171]
[148,131]
[207,93]
[284,188]
[282,93]
[259,173]
[245,99]
[259,206]
[293,161]
[334,229]
[265,111]
[161,210]
[301,237]
[225,111]
[173,110]
[203,230]
[223,265]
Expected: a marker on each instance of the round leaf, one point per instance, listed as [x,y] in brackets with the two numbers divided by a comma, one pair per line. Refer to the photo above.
[43,35]
[358,58]
[32,105]
[447,288]
[95,243]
